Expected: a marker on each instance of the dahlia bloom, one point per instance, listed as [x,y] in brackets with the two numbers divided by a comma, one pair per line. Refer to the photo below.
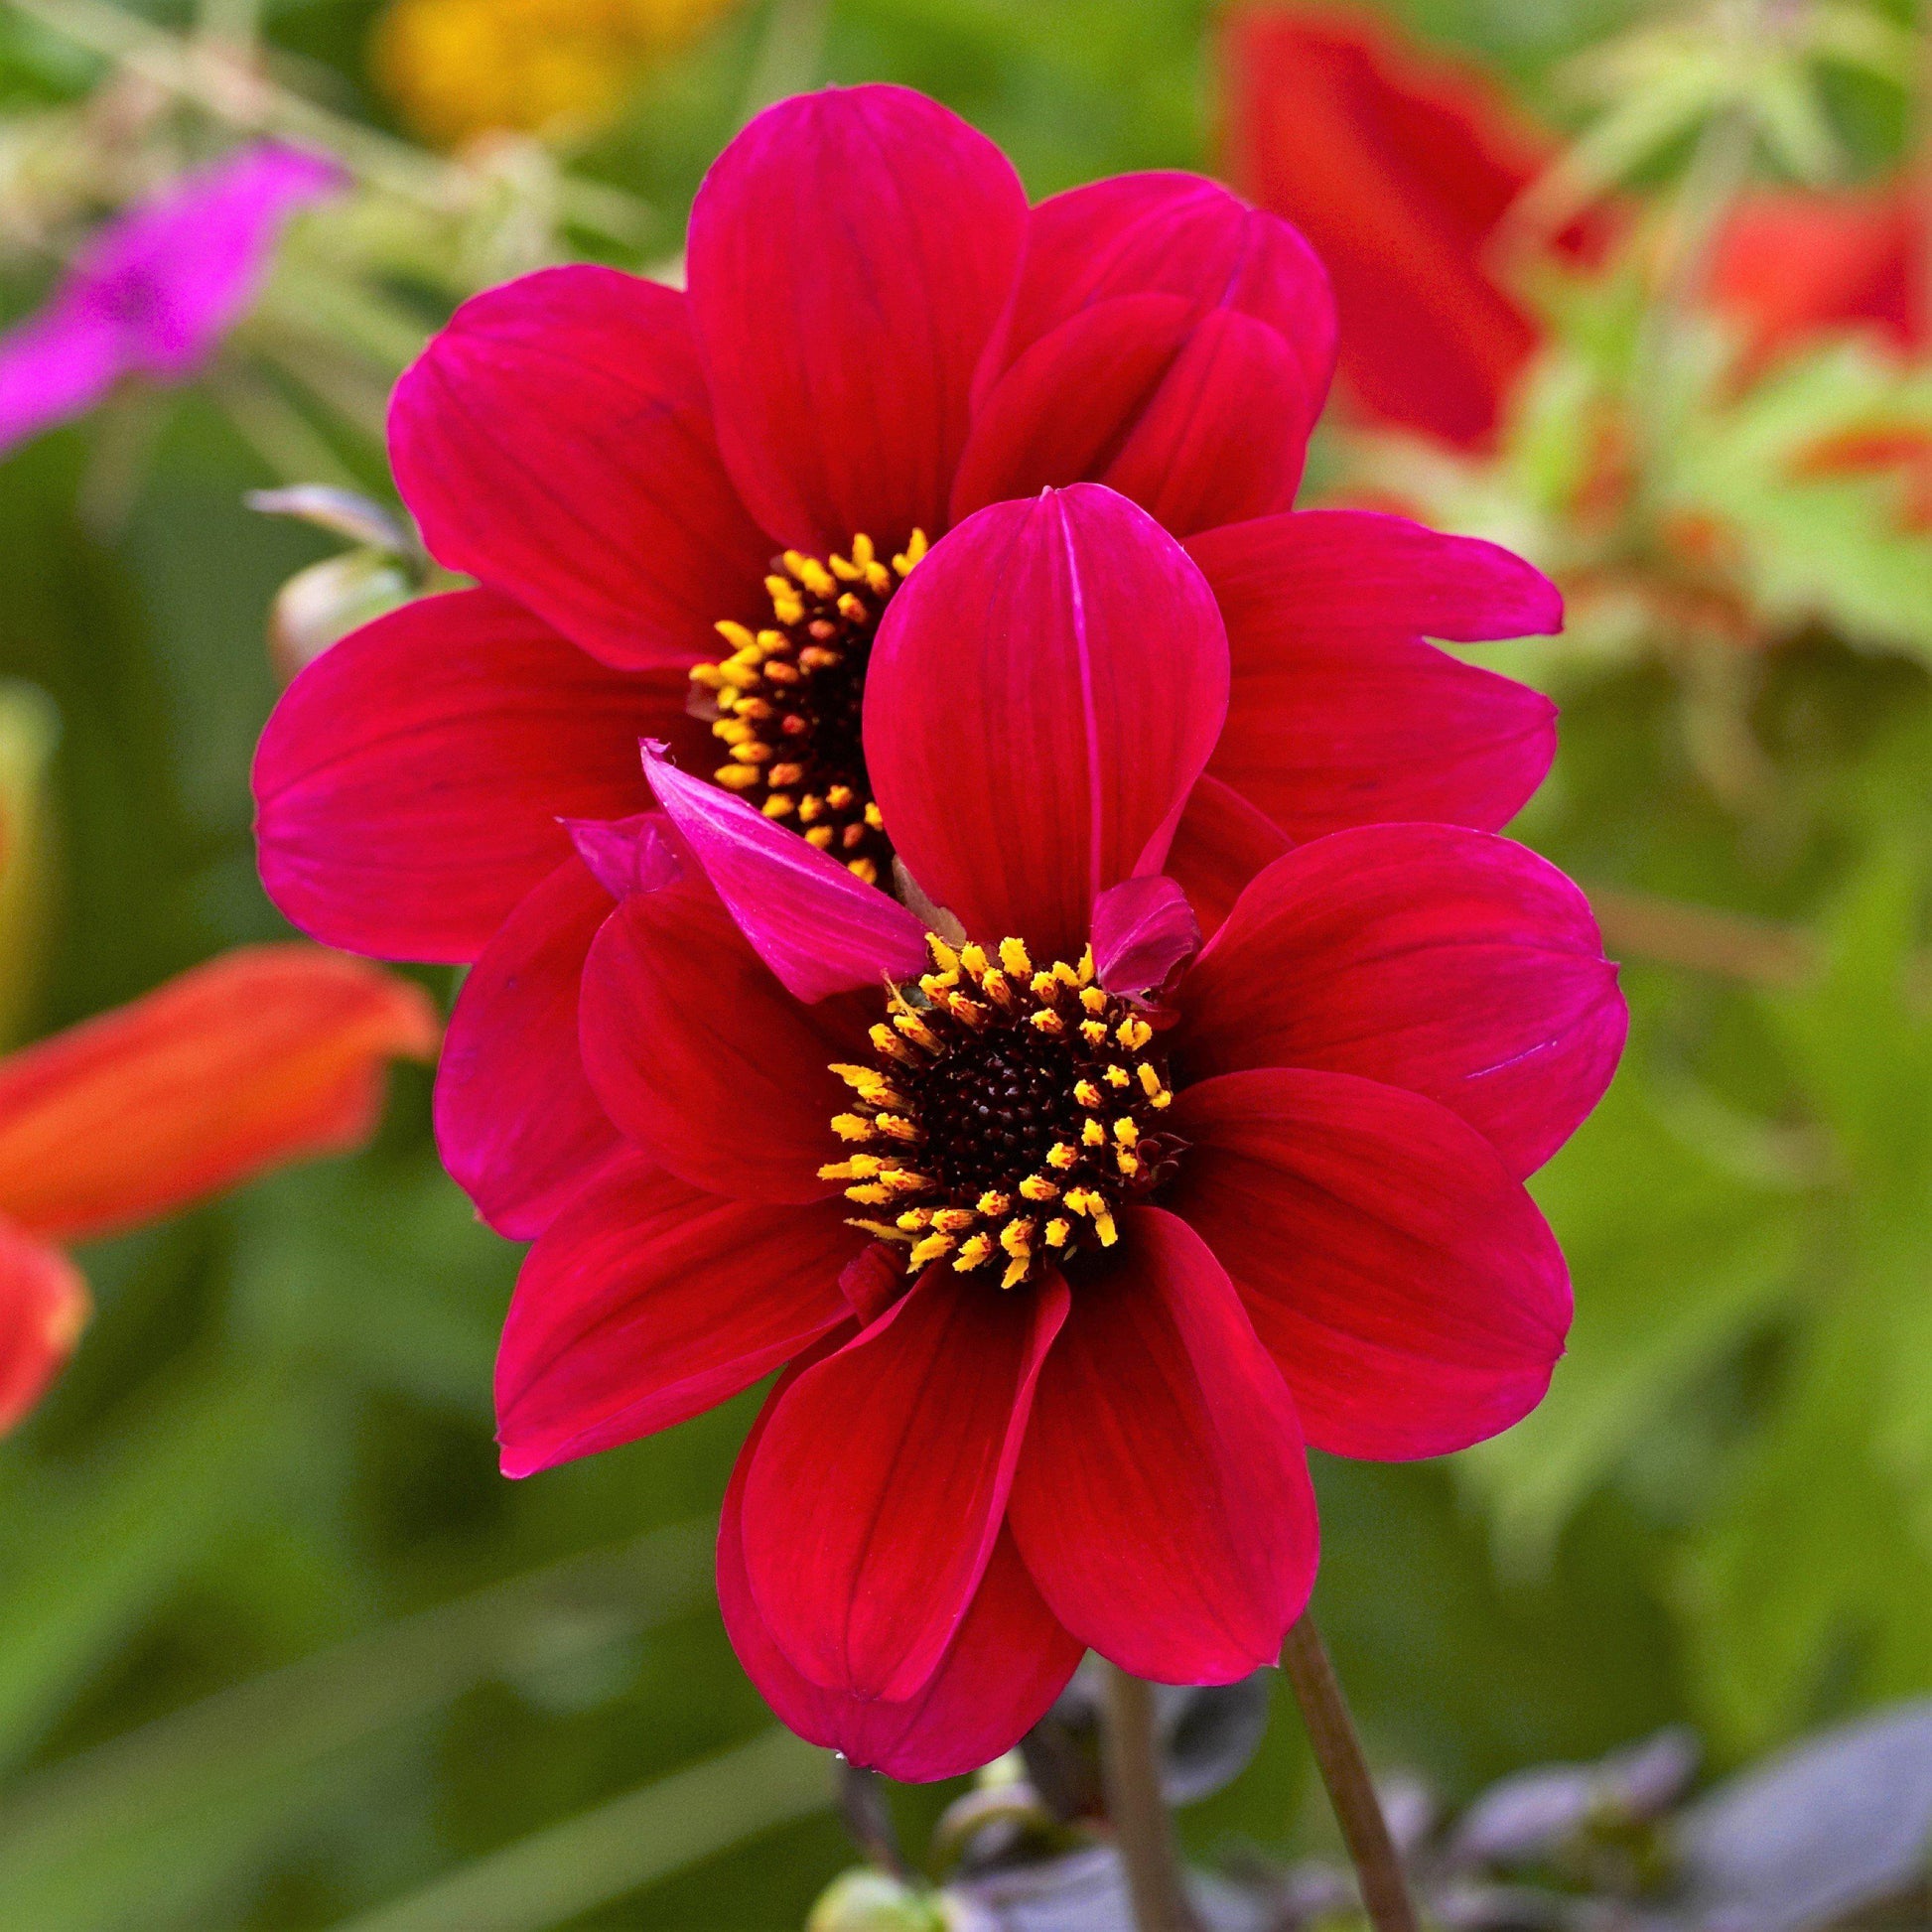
[1072,1230]
[153,293]
[1400,164]
[265,1056]
[688,512]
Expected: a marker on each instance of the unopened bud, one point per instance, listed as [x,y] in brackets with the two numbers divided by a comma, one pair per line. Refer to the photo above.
[865,1900]
[327,601]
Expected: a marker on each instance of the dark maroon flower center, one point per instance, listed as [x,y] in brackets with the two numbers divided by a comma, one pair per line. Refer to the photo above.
[1006,1114]
[789,701]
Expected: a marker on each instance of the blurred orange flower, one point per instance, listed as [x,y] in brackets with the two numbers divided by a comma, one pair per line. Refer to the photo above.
[265,1056]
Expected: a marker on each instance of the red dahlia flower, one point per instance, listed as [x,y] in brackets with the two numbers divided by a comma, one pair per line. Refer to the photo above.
[1072,1230]
[879,339]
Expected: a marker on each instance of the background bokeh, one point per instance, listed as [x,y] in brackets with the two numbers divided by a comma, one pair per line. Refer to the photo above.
[278,1647]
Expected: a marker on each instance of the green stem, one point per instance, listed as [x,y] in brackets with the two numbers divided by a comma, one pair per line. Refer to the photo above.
[1142,1829]
[1339,1753]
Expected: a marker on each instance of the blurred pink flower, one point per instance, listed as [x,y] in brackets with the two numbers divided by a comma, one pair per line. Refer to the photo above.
[156,289]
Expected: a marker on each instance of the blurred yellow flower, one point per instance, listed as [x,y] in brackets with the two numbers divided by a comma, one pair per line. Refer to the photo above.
[462,68]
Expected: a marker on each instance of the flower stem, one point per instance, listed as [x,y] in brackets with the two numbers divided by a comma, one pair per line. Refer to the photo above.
[1142,1828]
[1338,1752]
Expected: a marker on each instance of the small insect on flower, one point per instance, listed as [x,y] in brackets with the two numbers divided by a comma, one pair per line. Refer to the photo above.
[1072,1229]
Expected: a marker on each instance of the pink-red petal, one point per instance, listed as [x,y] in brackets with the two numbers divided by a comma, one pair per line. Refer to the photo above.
[873,1501]
[555,442]
[648,1302]
[702,1058]
[1455,964]
[1405,1282]
[818,928]
[1162,1501]
[849,253]
[1339,714]
[1044,691]
[1144,931]
[409,784]
[516,1123]
[1007,1663]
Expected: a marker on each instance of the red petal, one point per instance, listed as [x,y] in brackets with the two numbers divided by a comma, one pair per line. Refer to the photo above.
[874,1279]
[1064,409]
[1795,265]
[848,252]
[1452,963]
[1163,338]
[878,1489]
[1174,235]
[1221,842]
[1222,437]
[647,1303]
[517,1122]
[555,441]
[703,1058]
[43,1306]
[1162,1500]
[1337,716]
[1361,573]
[409,786]
[1398,167]
[1004,1669]
[819,928]
[265,1056]
[1406,1284]
[1042,695]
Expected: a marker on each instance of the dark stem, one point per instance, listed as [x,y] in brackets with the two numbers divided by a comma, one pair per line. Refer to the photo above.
[1339,1752]
[1142,1828]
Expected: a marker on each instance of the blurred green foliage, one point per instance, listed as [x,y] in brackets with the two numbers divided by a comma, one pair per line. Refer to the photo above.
[278,1647]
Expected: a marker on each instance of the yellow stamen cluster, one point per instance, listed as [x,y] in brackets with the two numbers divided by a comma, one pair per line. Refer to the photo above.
[1008,1113]
[788,702]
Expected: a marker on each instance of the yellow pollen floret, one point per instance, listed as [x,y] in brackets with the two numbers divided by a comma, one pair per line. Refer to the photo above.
[1017,1237]
[1093,1133]
[1036,1187]
[736,778]
[1094,1031]
[992,1203]
[779,805]
[1057,1231]
[885,1042]
[1126,1160]
[936,1247]
[1093,999]
[818,834]
[1104,1225]
[1150,1081]
[849,1127]
[916,549]
[1085,967]
[1133,1033]
[735,635]
[973,1252]
[1126,1132]
[944,957]
[869,1193]
[1059,1154]
[860,1167]
[953,1221]
[1013,956]
[1016,1271]
[896,1126]
[1117,1076]
[864,870]
[1087,1093]
[1047,1021]
[973,958]
[915,1218]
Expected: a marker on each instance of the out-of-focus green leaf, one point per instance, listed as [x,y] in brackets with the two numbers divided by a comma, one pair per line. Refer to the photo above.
[85,1842]
[621,1846]
[139,1517]
[1674,1259]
